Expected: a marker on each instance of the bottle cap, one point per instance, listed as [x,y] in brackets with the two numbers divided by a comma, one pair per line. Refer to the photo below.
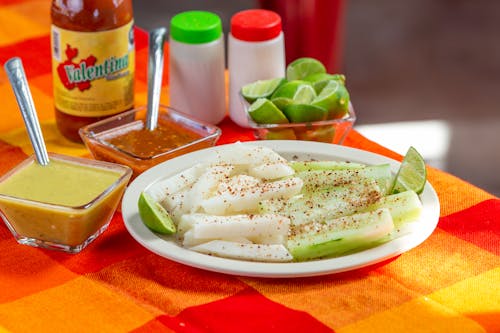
[255,25]
[195,27]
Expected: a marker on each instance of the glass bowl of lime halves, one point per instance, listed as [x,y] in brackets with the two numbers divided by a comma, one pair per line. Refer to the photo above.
[308,104]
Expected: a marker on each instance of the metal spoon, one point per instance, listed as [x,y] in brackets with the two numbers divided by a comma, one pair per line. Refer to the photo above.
[19,83]
[155,71]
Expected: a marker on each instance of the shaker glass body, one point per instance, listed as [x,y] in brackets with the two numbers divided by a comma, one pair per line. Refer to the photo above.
[197,65]
[256,51]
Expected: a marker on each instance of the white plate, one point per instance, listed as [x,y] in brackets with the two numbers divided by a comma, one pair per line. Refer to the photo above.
[166,247]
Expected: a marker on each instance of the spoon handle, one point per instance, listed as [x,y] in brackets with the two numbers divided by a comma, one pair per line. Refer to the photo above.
[155,71]
[19,83]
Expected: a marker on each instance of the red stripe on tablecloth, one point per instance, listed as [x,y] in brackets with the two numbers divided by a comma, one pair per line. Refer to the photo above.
[246,311]
[35,52]
[5,3]
[141,57]
[152,326]
[11,156]
[231,132]
[141,38]
[479,225]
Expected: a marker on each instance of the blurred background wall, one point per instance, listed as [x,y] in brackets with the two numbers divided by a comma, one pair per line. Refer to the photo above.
[420,72]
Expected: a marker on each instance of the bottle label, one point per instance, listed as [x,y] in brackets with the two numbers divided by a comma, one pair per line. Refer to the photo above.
[93,72]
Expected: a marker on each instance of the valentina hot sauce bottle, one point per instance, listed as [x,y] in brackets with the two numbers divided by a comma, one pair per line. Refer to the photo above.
[93,61]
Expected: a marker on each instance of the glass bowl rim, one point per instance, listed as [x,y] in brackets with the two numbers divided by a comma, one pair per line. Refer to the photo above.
[349,117]
[86,133]
[124,171]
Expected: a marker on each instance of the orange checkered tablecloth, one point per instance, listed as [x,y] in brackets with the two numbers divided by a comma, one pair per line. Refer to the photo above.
[450,283]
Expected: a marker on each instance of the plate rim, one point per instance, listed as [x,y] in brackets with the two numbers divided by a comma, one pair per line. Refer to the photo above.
[169,249]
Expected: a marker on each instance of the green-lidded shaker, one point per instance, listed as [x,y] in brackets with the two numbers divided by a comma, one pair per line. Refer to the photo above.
[196,65]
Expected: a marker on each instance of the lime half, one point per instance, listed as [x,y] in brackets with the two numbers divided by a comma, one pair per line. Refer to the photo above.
[261,89]
[328,98]
[305,94]
[154,216]
[334,98]
[263,111]
[412,173]
[293,92]
[289,89]
[303,67]
[282,102]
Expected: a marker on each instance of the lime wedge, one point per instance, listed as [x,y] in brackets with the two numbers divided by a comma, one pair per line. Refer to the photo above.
[303,67]
[302,113]
[263,111]
[412,173]
[293,92]
[305,94]
[282,102]
[328,98]
[334,98]
[320,80]
[154,216]
[261,89]
[289,89]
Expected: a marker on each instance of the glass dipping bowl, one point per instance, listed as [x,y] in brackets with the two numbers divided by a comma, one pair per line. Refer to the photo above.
[63,206]
[123,138]
[329,131]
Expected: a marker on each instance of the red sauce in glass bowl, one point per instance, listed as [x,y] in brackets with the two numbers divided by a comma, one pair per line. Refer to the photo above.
[146,144]
[124,138]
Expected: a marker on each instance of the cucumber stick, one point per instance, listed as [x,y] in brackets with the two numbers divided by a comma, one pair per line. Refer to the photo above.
[338,236]
[318,206]
[324,165]
[317,179]
[404,207]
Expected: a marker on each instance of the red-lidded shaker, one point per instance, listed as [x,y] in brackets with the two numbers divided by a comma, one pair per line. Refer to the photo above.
[256,51]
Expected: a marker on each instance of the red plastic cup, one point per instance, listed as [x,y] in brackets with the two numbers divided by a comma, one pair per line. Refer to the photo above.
[312,28]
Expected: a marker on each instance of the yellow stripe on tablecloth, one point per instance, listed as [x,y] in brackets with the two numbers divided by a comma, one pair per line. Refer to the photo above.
[421,315]
[336,300]
[9,109]
[477,297]
[54,141]
[4,330]
[141,98]
[80,305]
[12,129]
[468,306]
[454,193]
[439,262]
[36,10]
[343,299]
[24,20]
[141,94]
